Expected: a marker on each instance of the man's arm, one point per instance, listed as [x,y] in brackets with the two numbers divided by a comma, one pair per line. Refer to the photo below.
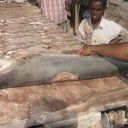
[117,51]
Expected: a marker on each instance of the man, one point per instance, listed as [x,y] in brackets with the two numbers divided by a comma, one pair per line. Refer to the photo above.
[116,50]
[97,30]
[55,11]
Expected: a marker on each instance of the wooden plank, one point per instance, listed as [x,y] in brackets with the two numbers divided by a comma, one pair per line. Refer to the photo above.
[86,108]
[84,121]
[34,105]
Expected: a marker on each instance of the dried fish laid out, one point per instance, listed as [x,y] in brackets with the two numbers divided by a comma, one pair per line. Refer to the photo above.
[32,51]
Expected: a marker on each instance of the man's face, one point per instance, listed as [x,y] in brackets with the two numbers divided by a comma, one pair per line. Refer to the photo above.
[96,11]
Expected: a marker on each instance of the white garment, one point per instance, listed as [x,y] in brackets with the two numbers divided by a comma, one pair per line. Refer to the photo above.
[103,34]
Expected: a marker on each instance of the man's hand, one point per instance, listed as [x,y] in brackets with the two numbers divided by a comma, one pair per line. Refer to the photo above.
[87,50]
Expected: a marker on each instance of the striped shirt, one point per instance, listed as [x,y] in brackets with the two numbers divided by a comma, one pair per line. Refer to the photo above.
[54,10]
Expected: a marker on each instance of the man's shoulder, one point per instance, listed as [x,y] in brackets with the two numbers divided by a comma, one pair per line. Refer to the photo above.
[83,22]
[86,20]
[110,22]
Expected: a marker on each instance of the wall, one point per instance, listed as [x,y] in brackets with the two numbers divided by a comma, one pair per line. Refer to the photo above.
[118,11]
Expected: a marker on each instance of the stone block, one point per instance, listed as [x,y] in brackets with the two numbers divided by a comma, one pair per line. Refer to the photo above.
[118,2]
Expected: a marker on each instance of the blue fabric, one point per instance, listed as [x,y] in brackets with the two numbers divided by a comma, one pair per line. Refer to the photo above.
[86,14]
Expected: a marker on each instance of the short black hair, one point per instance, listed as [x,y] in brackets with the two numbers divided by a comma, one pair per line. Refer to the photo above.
[104,2]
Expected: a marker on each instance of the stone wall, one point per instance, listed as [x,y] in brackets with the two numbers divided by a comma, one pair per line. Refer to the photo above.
[118,11]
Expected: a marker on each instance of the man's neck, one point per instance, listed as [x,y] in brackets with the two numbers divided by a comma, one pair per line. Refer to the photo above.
[95,24]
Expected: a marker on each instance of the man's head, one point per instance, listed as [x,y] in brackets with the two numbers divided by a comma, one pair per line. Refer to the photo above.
[97,8]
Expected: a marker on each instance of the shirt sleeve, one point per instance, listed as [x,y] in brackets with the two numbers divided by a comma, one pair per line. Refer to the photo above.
[119,32]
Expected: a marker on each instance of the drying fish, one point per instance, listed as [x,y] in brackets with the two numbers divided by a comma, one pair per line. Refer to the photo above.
[43,82]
